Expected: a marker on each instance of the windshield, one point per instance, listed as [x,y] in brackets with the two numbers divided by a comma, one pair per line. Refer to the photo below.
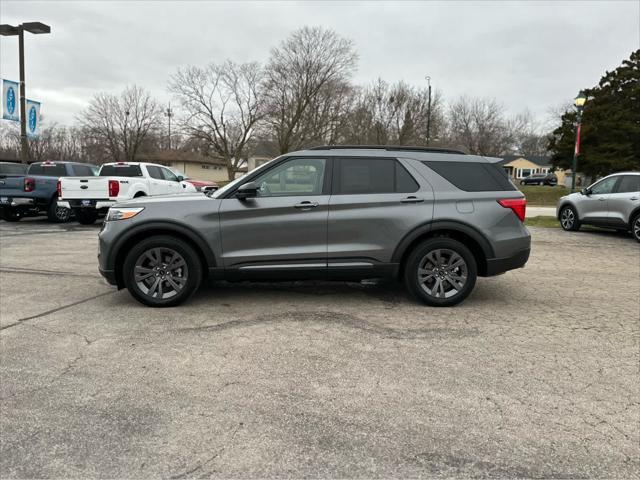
[232,184]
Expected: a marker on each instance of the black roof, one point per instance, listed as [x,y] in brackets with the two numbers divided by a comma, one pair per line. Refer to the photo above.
[389,148]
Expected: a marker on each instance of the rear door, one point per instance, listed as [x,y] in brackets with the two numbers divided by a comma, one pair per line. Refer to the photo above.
[375,202]
[284,228]
[595,206]
[624,200]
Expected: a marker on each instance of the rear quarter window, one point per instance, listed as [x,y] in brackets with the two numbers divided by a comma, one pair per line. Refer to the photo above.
[472,177]
[120,171]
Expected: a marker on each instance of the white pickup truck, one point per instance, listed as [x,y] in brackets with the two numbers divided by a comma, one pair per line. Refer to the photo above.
[88,196]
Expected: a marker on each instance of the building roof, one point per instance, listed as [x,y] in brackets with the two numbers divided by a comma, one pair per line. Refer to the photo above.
[539,160]
[165,157]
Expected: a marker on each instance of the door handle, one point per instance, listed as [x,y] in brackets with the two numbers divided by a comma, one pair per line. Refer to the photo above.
[412,199]
[601,199]
[306,205]
[633,199]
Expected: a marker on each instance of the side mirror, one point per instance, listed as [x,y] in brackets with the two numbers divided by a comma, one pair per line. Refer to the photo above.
[585,191]
[248,190]
[180,178]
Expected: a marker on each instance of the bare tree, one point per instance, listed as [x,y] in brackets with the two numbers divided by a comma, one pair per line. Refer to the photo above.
[222,105]
[119,125]
[480,126]
[307,86]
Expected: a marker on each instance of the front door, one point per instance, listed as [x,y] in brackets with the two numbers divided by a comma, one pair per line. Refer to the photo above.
[595,206]
[284,228]
[157,183]
[173,185]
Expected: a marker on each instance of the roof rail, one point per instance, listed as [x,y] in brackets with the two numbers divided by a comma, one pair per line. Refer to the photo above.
[390,148]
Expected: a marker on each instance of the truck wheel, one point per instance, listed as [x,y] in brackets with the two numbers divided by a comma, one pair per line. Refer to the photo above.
[10,215]
[86,216]
[441,272]
[162,271]
[58,214]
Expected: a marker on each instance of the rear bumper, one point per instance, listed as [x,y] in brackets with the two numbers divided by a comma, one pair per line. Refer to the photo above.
[496,266]
[94,204]
[18,202]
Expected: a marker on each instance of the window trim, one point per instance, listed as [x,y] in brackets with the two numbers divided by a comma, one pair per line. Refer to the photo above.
[335,184]
[326,186]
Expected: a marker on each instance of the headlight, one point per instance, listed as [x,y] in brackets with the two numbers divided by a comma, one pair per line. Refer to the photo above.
[122,213]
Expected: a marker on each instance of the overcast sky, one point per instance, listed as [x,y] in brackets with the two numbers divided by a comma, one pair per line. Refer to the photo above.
[533,55]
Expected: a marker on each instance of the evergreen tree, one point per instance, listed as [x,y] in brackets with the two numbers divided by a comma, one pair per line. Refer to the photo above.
[610,138]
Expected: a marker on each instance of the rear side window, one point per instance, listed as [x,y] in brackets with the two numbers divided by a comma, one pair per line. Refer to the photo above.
[124,170]
[375,175]
[48,169]
[629,183]
[12,169]
[83,171]
[472,177]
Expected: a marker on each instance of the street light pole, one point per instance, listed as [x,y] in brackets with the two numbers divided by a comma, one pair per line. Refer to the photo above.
[24,144]
[579,103]
[429,111]
[169,113]
[7,31]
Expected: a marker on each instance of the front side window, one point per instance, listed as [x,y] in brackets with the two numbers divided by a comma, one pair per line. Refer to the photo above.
[629,183]
[300,176]
[169,175]
[605,186]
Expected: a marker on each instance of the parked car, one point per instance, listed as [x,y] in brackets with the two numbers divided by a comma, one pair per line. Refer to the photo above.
[35,192]
[540,179]
[613,202]
[435,219]
[205,186]
[90,196]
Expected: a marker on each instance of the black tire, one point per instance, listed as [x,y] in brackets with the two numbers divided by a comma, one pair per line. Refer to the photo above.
[522,182]
[10,215]
[57,214]
[158,248]
[569,220]
[635,227]
[86,216]
[419,261]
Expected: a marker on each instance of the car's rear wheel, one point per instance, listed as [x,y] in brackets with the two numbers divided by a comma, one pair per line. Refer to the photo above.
[441,272]
[635,227]
[569,219]
[162,271]
[86,216]
[58,214]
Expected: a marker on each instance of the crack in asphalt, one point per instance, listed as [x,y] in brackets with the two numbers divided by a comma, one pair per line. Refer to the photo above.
[50,273]
[53,310]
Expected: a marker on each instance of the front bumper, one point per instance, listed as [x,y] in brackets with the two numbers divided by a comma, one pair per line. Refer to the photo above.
[496,266]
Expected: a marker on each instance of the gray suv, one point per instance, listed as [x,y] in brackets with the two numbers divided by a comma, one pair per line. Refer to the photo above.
[612,202]
[435,219]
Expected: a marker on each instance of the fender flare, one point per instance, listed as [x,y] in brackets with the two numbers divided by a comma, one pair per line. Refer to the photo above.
[434,226]
[167,226]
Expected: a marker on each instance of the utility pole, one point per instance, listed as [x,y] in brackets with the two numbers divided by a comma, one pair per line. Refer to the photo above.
[169,113]
[579,102]
[429,111]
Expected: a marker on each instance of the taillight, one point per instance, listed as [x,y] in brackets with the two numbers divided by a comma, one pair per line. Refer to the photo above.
[114,188]
[29,184]
[59,189]
[518,205]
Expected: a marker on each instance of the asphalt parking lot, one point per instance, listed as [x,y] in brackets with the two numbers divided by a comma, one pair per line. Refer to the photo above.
[535,375]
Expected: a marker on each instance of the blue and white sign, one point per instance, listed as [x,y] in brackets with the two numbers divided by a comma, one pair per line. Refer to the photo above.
[33,118]
[10,100]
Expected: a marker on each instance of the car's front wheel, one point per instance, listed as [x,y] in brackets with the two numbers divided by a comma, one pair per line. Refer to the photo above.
[441,272]
[569,219]
[635,227]
[162,271]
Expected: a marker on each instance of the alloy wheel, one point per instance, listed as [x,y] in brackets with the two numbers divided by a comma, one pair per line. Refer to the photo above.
[567,218]
[161,273]
[62,213]
[442,273]
[636,228]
